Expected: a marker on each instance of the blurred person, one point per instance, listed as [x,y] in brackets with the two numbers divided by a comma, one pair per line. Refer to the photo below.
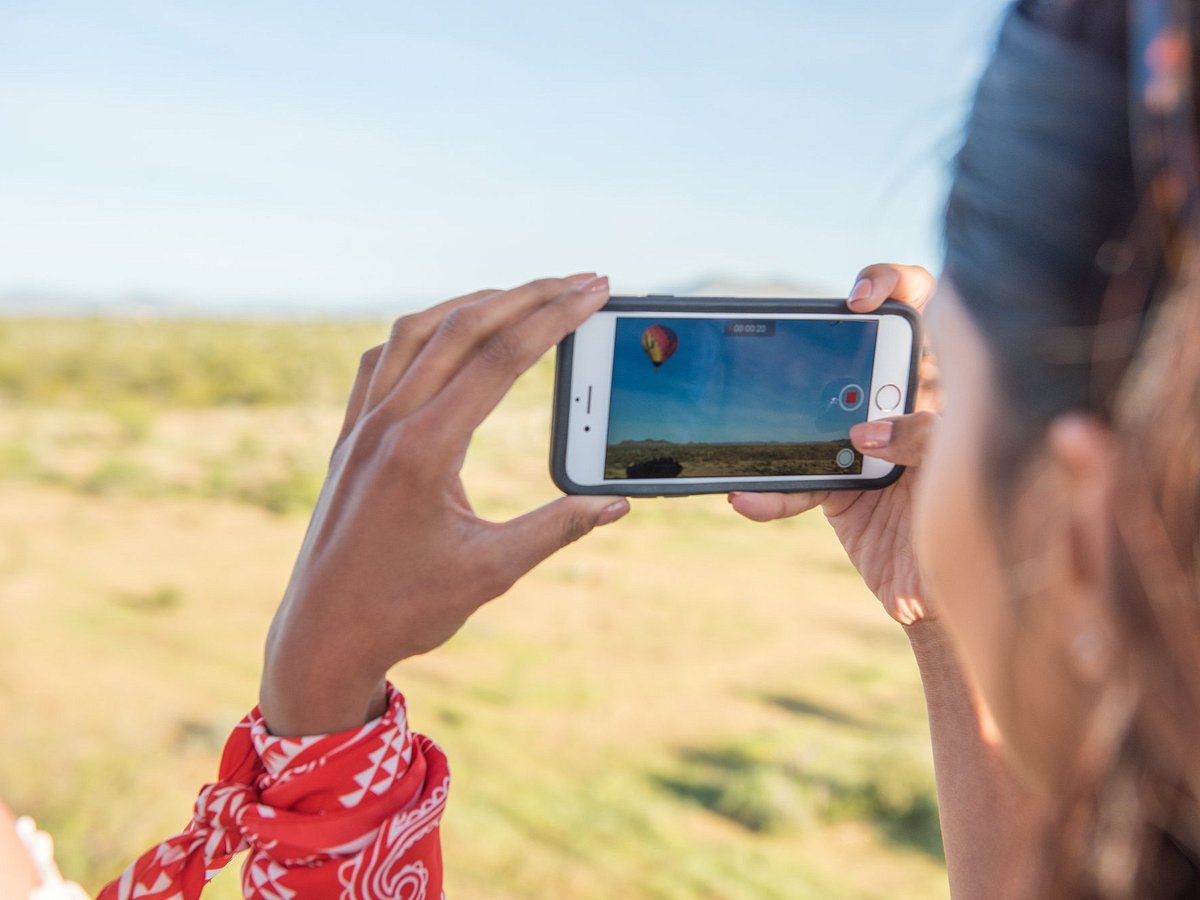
[27,867]
[1054,517]
[1045,562]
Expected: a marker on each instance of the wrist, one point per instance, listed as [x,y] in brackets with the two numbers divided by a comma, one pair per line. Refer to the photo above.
[928,638]
[934,651]
[946,682]
[292,709]
[302,693]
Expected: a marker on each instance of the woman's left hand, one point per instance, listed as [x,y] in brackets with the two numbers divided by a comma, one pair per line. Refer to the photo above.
[395,559]
[875,527]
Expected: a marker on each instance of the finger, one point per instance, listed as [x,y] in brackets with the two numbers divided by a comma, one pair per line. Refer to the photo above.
[768,507]
[901,440]
[891,281]
[409,335]
[527,540]
[473,391]
[358,393]
[463,331]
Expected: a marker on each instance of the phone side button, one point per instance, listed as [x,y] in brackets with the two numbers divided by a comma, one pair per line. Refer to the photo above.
[887,398]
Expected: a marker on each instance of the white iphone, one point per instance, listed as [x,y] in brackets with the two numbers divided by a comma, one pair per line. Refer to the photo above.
[659,396]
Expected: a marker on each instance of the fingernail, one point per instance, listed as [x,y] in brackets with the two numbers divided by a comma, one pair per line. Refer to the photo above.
[612,512]
[860,292]
[581,278]
[594,285]
[872,435]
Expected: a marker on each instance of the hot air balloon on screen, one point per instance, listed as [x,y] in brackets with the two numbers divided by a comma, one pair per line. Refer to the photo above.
[660,343]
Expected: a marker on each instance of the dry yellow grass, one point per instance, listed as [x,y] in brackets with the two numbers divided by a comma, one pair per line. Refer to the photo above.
[684,705]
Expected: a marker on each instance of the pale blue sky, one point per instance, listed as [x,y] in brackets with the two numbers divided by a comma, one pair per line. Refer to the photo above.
[339,153]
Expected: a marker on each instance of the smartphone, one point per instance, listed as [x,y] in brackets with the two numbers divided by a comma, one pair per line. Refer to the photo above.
[667,396]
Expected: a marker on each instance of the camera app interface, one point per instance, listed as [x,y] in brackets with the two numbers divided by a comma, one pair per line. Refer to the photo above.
[705,398]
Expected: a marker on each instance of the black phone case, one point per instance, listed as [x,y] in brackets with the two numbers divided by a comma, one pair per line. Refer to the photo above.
[733,305]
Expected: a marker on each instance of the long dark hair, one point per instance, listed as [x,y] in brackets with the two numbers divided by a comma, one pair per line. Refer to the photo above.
[1071,238]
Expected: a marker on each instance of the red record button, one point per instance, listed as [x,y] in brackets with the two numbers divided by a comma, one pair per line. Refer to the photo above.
[851,397]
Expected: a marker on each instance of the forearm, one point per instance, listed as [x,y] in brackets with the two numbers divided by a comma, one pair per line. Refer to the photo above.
[991,823]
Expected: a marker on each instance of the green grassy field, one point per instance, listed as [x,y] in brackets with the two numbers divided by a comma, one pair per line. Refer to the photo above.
[684,705]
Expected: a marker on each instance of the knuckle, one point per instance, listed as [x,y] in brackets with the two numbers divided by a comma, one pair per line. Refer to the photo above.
[785,506]
[464,322]
[546,287]
[400,447]
[370,358]
[403,327]
[368,431]
[573,527]
[780,508]
[567,315]
[367,363]
[502,350]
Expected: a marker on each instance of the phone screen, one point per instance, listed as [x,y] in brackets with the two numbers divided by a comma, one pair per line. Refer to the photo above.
[726,397]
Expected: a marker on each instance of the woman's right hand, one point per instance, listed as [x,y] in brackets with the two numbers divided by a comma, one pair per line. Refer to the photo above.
[875,527]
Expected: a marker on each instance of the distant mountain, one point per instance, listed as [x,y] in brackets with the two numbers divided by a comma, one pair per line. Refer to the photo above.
[727,286]
[55,303]
[165,306]
[149,305]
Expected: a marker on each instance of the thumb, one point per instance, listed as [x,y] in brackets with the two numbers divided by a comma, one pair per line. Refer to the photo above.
[533,537]
[901,440]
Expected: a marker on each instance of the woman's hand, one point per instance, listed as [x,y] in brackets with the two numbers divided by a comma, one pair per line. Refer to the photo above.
[991,824]
[395,559]
[875,527]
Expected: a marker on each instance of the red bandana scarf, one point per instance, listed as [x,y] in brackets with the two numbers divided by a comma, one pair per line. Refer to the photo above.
[352,816]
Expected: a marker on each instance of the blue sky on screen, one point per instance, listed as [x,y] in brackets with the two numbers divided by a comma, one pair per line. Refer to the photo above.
[718,388]
[315,152]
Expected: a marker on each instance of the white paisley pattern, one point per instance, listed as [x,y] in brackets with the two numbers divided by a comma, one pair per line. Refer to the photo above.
[381,871]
